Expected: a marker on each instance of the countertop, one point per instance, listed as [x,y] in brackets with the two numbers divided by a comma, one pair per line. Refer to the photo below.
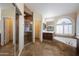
[48,31]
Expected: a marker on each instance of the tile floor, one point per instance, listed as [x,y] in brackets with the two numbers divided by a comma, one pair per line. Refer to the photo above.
[7,50]
[48,48]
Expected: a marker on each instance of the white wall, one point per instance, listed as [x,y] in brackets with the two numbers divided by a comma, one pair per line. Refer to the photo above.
[21,32]
[20,7]
[0,26]
[33,29]
[77,26]
[41,36]
[14,26]
[77,23]
[0,13]
[0,20]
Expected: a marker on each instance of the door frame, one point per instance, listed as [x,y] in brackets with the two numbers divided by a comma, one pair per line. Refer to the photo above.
[3,19]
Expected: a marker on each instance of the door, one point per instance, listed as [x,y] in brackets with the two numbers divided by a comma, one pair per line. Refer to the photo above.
[8,28]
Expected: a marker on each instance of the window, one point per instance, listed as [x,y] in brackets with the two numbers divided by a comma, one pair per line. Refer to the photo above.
[64,26]
[60,29]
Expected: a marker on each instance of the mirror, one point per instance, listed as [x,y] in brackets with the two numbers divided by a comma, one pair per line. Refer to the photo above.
[50,28]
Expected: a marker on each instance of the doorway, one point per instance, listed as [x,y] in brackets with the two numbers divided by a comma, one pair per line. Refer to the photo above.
[28,28]
[7,49]
[8,30]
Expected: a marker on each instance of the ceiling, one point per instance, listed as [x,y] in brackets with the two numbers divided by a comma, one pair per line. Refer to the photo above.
[53,9]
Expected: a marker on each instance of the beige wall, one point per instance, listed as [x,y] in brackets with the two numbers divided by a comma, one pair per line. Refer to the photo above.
[71,16]
[8,12]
